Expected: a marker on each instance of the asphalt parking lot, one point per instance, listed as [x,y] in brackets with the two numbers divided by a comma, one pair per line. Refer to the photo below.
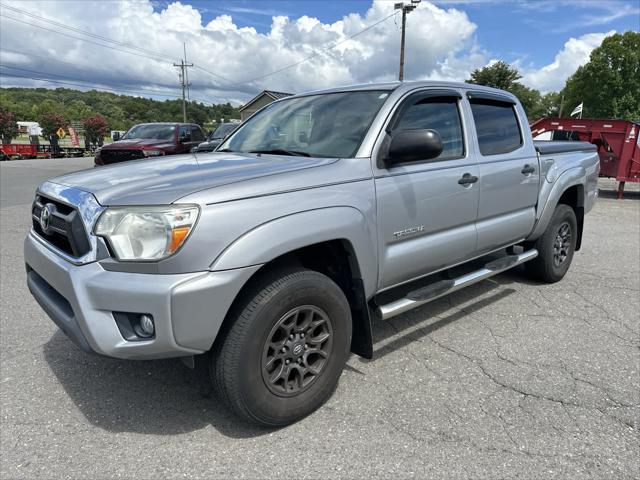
[507,378]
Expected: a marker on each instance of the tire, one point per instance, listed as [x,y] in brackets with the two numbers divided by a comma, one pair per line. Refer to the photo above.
[269,312]
[555,247]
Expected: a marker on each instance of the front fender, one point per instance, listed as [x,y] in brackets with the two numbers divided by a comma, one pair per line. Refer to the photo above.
[550,196]
[282,235]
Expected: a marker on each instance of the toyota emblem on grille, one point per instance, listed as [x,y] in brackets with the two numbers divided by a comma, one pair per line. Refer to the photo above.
[45,217]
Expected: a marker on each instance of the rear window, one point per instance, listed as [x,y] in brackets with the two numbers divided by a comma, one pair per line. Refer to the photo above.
[497,126]
[196,134]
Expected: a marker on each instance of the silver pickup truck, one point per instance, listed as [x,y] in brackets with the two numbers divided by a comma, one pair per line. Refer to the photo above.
[323,212]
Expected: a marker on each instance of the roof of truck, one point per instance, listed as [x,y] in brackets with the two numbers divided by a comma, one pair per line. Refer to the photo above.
[408,86]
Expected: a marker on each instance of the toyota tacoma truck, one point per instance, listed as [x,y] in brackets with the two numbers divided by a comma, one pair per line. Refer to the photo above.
[324,212]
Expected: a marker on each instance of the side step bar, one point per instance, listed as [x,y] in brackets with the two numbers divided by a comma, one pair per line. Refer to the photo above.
[444,287]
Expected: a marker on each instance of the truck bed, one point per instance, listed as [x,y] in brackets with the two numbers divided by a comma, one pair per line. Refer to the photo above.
[550,147]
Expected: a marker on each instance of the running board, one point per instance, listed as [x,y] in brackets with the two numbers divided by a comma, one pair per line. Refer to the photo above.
[444,287]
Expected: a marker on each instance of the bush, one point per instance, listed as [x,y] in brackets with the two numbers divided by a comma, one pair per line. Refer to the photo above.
[50,123]
[95,128]
[8,125]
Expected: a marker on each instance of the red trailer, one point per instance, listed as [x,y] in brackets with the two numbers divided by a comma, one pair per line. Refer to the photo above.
[27,150]
[618,143]
[20,150]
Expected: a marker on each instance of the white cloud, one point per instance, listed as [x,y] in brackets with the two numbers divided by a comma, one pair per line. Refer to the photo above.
[574,54]
[440,44]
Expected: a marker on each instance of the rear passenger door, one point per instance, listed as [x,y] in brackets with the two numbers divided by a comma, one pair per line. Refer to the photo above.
[509,172]
[426,211]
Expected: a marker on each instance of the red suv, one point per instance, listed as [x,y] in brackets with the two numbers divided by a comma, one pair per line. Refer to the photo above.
[151,140]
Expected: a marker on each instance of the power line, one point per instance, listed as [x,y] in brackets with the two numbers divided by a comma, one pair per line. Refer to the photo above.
[84,84]
[157,58]
[30,54]
[84,32]
[154,55]
[213,73]
[140,91]
[320,51]
[82,39]
[82,81]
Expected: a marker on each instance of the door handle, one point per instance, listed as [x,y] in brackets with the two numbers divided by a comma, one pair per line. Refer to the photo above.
[468,179]
[527,169]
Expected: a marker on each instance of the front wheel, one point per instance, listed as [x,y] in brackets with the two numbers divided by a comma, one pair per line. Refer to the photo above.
[555,247]
[285,347]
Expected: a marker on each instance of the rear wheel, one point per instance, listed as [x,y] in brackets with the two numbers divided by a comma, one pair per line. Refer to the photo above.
[285,348]
[555,247]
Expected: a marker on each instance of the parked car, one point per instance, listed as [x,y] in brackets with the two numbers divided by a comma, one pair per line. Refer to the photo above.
[321,212]
[216,137]
[148,140]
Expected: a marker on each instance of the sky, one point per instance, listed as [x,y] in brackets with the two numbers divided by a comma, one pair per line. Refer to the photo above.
[240,47]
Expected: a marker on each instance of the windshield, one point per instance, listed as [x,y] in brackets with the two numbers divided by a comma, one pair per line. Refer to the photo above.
[326,125]
[157,132]
[222,130]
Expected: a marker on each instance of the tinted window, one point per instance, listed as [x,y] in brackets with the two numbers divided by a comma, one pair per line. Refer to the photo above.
[441,115]
[223,130]
[497,126]
[184,134]
[196,134]
[324,125]
[151,131]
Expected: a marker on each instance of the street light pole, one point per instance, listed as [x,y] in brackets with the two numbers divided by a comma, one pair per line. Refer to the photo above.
[405,9]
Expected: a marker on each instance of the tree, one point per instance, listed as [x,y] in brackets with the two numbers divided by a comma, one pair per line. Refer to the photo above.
[78,110]
[497,75]
[120,111]
[505,77]
[8,125]
[609,84]
[95,128]
[50,123]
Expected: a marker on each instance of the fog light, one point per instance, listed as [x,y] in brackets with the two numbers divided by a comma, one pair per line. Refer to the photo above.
[144,327]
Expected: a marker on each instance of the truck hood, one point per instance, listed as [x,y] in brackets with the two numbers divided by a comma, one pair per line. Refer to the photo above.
[165,180]
[137,144]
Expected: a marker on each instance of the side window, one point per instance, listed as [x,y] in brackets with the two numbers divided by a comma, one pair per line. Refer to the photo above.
[196,134]
[497,126]
[440,114]
[185,133]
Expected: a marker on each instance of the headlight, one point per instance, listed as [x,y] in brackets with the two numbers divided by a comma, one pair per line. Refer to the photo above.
[152,153]
[146,233]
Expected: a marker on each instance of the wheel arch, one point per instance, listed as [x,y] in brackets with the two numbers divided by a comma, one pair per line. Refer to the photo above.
[333,241]
[573,197]
[568,189]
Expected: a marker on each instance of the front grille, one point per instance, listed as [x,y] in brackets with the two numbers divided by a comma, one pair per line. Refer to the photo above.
[114,156]
[65,229]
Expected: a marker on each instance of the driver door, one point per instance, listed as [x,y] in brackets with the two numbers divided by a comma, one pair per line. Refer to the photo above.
[426,213]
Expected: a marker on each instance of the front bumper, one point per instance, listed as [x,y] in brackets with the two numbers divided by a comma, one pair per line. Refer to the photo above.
[187,309]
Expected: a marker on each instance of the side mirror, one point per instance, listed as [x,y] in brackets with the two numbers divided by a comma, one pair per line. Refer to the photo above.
[414,145]
[116,136]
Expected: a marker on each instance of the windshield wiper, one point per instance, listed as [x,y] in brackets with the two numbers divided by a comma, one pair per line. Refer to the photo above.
[282,151]
[226,150]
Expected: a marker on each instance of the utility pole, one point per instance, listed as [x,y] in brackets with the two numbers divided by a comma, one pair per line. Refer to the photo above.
[184,81]
[405,9]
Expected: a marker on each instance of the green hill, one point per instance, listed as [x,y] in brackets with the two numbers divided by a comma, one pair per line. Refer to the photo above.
[120,111]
